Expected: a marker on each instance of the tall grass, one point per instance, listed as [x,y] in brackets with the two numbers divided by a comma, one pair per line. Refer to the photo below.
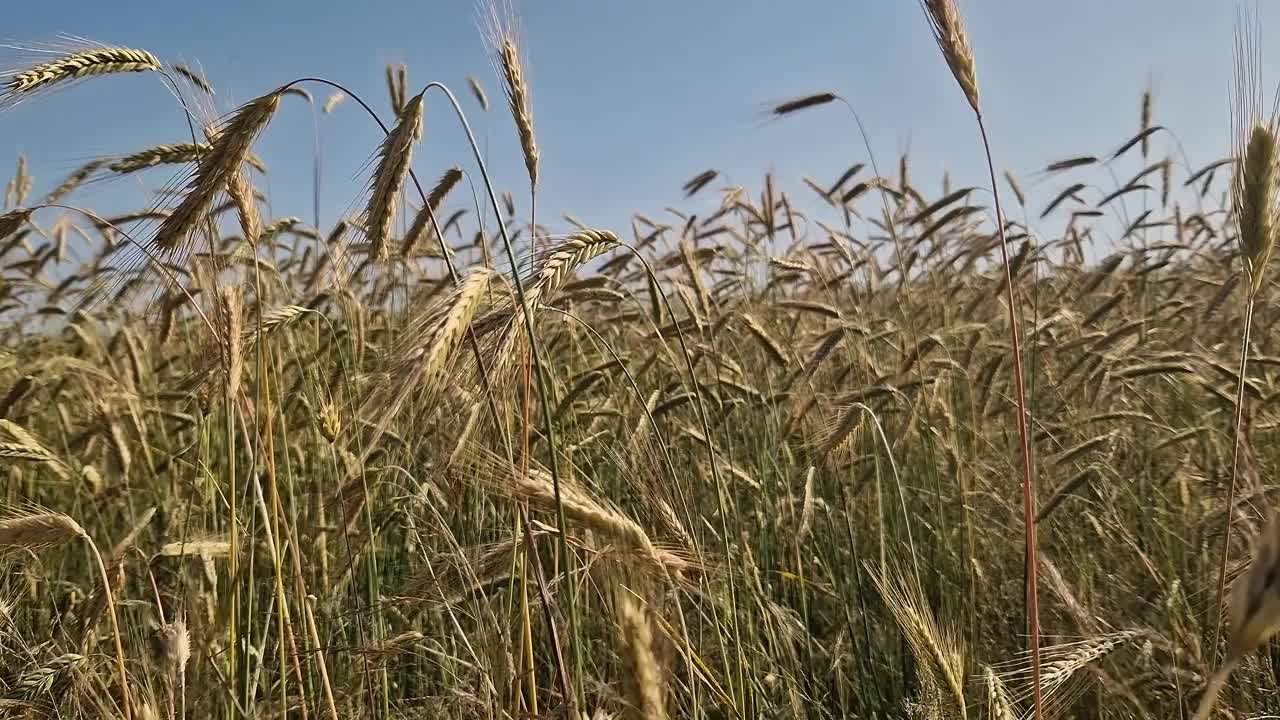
[751,463]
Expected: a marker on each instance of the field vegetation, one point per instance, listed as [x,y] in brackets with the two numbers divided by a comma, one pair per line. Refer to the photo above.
[942,455]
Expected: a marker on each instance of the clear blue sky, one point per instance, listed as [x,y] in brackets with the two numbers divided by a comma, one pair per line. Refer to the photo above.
[633,98]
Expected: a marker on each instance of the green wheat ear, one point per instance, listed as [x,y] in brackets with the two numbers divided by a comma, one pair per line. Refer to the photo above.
[1254,200]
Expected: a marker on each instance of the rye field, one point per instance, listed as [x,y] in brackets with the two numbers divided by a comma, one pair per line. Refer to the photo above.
[950,454]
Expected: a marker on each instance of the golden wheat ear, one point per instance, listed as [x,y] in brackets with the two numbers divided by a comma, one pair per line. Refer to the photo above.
[418,229]
[504,40]
[18,85]
[1256,213]
[478,92]
[1254,201]
[36,531]
[394,158]
[228,150]
[1254,198]
[644,686]
[953,41]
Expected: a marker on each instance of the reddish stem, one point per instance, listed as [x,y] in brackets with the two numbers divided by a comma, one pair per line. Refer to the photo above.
[1028,477]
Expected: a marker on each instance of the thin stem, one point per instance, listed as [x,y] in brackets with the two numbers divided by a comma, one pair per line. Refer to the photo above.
[1028,477]
[115,628]
[1235,467]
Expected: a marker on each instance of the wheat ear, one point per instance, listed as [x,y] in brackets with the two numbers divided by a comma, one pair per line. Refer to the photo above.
[76,66]
[418,229]
[503,39]
[232,341]
[37,530]
[170,154]
[227,152]
[644,686]
[953,41]
[1257,215]
[394,158]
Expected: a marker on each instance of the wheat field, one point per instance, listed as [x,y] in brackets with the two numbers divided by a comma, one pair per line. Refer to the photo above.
[907,456]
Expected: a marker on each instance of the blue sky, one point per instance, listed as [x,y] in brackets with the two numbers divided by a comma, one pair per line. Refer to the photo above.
[632,99]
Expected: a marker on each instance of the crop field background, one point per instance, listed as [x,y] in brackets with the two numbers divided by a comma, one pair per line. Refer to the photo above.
[848,448]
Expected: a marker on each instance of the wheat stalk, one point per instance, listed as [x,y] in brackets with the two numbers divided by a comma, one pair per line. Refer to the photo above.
[952,39]
[1257,215]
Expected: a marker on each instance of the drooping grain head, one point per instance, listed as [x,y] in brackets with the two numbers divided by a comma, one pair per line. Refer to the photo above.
[421,361]
[419,228]
[397,80]
[1145,121]
[478,91]
[568,255]
[37,531]
[74,66]
[174,644]
[171,154]
[803,103]
[73,181]
[331,102]
[644,683]
[195,78]
[227,152]
[953,41]
[13,220]
[394,159]
[241,191]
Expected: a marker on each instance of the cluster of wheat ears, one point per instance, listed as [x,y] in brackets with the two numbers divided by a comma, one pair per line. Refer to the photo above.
[777,460]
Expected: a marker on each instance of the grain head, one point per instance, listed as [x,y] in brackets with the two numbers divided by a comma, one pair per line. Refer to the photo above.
[503,37]
[91,62]
[952,39]
[394,159]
